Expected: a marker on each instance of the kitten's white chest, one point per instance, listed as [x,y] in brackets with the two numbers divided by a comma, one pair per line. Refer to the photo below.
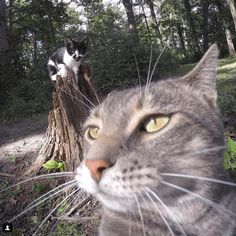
[70,62]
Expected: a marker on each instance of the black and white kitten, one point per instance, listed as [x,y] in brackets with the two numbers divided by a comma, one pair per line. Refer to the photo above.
[69,56]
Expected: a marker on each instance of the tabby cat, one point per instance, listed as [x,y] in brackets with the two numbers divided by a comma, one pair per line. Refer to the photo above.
[153,158]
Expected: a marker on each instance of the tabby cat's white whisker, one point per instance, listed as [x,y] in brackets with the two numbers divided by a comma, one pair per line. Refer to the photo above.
[155,65]
[51,191]
[45,176]
[149,70]
[159,211]
[140,214]
[216,206]
[69,202]
[30,207]
[206,150]
[167,210]
[199,178]
[139,78]
[76,99]
[94,92]
[54,209]
[76,89]
[74,200]
[129,216]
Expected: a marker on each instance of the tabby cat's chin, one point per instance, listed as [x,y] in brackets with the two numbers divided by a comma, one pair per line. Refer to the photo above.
[115,203]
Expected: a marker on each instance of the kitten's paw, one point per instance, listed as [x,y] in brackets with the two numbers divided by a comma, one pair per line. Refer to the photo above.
[54,77]
[62,71]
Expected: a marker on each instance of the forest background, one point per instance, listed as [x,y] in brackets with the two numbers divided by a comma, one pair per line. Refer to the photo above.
[121,35]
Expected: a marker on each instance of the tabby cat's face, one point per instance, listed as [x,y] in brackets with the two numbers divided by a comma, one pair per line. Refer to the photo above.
[135,136]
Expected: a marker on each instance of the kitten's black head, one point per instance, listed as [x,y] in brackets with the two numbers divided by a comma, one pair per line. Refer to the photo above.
[76,49]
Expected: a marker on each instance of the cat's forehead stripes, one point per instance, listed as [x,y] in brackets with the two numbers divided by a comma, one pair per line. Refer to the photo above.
[128,108]
[133,106]
[94,119]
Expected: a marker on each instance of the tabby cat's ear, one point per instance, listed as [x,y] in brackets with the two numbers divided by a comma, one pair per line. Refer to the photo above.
[203,76]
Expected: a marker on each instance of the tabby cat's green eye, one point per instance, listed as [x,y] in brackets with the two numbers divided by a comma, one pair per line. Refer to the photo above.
[93,133]
[155,123]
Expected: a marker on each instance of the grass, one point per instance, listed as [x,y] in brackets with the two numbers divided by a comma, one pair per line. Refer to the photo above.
[184,69]
[226,87]
[226,69]
[64,228]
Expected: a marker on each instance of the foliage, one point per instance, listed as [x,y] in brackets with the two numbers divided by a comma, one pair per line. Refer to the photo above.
[34,33]
[53,165]
[39,188]
[29,97]
[38,28]
[120,69]
[62,208]
[66,229]
[230,155]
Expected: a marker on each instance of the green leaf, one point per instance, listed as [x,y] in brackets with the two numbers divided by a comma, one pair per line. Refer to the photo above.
[231,145]
[61,166]
[50,165]
[230,155]
[227,161]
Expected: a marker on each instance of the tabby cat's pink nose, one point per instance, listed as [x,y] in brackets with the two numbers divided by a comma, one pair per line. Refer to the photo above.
[96,167]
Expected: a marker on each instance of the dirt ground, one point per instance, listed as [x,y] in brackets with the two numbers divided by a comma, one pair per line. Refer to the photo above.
[20,143]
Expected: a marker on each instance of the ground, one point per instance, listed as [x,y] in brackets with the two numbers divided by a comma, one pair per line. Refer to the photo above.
[20,143]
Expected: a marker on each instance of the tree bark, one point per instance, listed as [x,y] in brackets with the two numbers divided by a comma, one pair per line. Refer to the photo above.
[4,46]
[154,20]
[192,27]
[70,109]
[232,10]
[230,42]
[35,53]
[181,37]
[205,13]
[146,22]
[131,20]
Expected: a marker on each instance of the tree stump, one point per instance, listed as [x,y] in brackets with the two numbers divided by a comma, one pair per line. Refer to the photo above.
[71,103]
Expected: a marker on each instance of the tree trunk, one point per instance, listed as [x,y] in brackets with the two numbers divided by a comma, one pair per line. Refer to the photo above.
[35,54]
[146,23]
[131,20]
[71,104]
[3,34]
[181,37]
[205,13]
[154,20]
[232,10]
[228,36]
[230,42]
[188,9]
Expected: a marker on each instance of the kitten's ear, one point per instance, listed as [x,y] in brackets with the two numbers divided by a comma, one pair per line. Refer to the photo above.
[203,76]
[68,41]
[85,42]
